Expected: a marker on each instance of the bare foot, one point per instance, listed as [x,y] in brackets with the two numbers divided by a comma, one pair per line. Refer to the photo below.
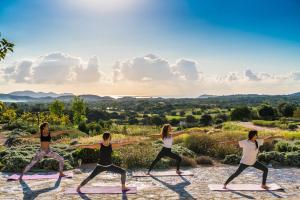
[224,187]
[78,190]
[148,173]
[178,172]
[124,188]
[61,174]
[265,187]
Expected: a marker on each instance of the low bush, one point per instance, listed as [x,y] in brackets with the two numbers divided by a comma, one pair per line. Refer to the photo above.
[204,160]
[293,159]
[200,144]
[232,159]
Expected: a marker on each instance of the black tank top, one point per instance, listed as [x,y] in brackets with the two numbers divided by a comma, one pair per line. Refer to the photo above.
[46,138]
[105,155]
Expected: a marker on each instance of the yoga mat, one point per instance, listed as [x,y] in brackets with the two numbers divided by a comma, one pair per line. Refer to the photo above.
[102,190]
[243,187]
[38,176]
[162,173]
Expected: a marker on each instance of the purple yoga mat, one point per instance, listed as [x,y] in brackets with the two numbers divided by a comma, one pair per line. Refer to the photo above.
[162,173]
[39,176]
[243,187]
[102,190]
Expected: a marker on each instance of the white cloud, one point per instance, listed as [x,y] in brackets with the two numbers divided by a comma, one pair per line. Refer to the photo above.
[54,68]
[152,68]
[186,69]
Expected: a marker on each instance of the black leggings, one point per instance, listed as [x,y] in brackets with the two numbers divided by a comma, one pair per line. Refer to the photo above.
[168,153]
[99,169]
[256,165]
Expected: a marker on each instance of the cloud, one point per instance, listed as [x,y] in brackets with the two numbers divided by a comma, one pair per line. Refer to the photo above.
[21,72]
[295,76]
[54,68]
[186,69]
[91,73]
[152,68]
[249,75]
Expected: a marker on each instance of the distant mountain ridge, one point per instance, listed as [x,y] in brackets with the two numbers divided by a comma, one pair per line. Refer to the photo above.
[33,94]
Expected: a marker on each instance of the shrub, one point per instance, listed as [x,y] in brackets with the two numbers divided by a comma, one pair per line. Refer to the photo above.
[200,144]
[220,150]
[83,127]
[272,156]
[293,159]
[86,155]
[178,149]
[292,127]
[11,126]
[204,160]
[140,155]
[232,159]
[283,146]
[267,146]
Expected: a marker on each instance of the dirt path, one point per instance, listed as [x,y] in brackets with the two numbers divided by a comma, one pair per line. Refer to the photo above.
[195,187]
[250,125]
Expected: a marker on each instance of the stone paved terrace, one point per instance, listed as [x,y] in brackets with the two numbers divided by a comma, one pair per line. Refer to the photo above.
[161,187]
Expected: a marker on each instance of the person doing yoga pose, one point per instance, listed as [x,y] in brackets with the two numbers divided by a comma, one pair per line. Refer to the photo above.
[105,160]
[45,150]
[249,157]
[167,138]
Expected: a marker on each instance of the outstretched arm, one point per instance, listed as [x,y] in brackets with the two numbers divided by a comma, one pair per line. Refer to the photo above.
[271,138]
[90,146]
[118,145]
[177,133]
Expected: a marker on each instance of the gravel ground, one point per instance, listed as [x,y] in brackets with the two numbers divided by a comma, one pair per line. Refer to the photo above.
[159,188]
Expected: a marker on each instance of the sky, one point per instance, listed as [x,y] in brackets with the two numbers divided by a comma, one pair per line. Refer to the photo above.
[170,48]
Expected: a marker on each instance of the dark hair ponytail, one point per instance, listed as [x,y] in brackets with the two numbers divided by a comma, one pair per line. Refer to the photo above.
[251,134]
[42,126]
[165,131]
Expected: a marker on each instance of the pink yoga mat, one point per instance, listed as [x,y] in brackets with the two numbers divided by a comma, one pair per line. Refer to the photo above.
[243,187]
[102,190]
[162,173]
[39,176]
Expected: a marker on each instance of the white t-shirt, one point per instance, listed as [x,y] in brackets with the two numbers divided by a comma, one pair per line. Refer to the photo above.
[167,142]
[249,151]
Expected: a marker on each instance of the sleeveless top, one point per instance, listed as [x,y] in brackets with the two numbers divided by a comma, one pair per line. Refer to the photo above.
[167,142]
[105,155]
[46,138]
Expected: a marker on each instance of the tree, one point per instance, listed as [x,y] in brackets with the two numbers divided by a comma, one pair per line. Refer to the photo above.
[133,120]
[286,109]
[182,113]
[57,107]
[9,115]
[79,110]
[190,119]
[266,111]
[174,122]
[242,113]
[157,120]
[5,47]
[297,113]
[206,120]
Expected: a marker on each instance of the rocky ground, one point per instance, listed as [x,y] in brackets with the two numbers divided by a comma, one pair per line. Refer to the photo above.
[158,188]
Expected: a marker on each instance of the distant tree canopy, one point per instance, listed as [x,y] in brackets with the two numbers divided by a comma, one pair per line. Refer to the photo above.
[266,111]
[206,120]
[242,113]
[79,110]
[5,47]
[286,109]
[57,108]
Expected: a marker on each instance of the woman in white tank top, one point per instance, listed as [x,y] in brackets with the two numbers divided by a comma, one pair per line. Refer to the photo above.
[167,138]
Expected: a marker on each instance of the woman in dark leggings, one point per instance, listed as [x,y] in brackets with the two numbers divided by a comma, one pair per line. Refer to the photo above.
[167,138]
[250,151]
[105,161]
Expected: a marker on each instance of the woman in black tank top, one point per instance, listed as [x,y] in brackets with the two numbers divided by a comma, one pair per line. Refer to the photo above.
[45,150]
[105,161]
